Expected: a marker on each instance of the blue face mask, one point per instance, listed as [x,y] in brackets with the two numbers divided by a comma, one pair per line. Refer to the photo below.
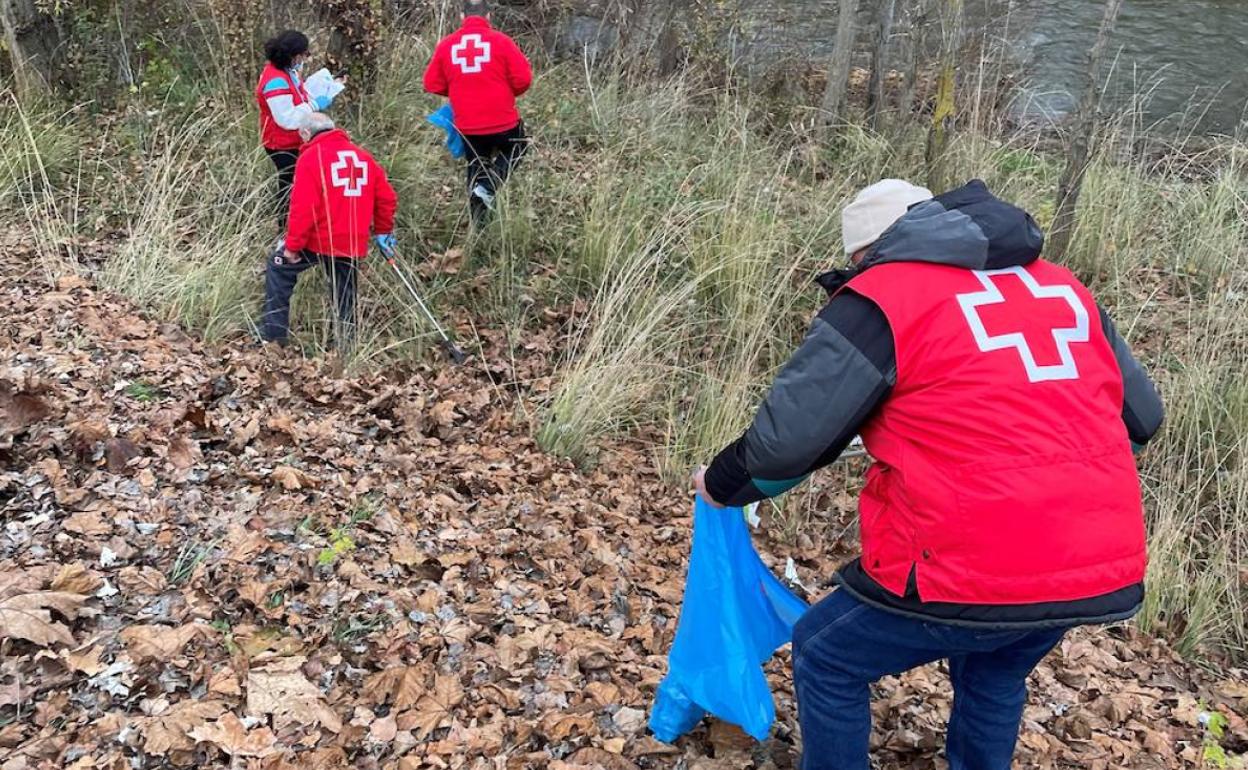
[297,67]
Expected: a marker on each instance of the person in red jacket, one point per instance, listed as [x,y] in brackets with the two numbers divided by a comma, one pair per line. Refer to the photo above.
[283,102]
[482,71]
[340,196]
[1001,408]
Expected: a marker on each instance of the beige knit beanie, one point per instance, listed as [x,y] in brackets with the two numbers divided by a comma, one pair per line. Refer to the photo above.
[875,209]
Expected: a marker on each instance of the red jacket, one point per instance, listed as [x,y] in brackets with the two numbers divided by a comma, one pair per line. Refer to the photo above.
[1004,473]
[482,71]
[273,136]
[340,197]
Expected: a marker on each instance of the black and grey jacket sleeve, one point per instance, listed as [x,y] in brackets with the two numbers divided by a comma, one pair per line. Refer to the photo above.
[843,370]
[1142,410]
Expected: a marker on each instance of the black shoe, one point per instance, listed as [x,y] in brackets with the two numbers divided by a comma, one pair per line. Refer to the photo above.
[483,194]
[479,211]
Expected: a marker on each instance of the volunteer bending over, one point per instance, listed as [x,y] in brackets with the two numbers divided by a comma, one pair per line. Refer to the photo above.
[1001,407]
[340,195]
[283,101]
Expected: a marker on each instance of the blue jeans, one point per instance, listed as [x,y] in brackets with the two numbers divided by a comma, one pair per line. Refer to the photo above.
[841,646]
[280,278]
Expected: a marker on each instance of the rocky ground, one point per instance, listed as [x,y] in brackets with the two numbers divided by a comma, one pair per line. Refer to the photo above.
[232,557]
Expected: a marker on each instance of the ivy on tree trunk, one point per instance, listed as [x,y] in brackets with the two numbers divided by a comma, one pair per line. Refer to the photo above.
[941,129]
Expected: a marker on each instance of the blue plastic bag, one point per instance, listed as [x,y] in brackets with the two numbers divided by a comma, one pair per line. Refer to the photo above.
[445,120]
[734,616]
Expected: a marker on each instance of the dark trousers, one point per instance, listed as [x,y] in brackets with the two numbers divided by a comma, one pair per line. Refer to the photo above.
[492,158]
[841,646]
[280,278]
[284,160]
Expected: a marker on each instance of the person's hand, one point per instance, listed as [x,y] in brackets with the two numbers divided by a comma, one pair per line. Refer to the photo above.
[387,244]
[699,486]
[291,257]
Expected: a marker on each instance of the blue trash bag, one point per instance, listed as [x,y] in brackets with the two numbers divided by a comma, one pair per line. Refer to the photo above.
[734,616]
[445,120]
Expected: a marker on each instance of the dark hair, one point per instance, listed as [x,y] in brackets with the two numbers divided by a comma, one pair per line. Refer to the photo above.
[476,8]
[282,49]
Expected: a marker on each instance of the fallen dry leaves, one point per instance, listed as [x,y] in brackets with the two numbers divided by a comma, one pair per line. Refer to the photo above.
[436,708]
[280,689]
[231,557]
[232,736]
[169,731]
[157,643]
[28,616]
[401,686]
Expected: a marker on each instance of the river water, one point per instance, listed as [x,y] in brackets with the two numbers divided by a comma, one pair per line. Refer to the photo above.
[1189,56]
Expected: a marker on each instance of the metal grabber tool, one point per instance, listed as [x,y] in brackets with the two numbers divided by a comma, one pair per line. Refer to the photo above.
[457,355]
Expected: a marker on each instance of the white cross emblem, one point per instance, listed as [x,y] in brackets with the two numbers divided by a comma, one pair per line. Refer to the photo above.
[1063,338]
[470,54]
[350,173]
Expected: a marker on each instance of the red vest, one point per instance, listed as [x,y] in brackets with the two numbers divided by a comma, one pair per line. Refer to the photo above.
[1004,473]
[273,136]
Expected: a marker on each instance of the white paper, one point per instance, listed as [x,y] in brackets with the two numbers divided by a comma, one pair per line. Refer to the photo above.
[321,83]
[751,515]
[790,574]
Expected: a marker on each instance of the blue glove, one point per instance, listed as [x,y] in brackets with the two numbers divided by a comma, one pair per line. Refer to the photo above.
[322,103]
[386,242]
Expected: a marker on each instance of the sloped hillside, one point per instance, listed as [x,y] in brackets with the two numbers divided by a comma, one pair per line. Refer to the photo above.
[233,557]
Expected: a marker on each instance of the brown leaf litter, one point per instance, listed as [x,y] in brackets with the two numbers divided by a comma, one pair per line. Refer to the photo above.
[229,557]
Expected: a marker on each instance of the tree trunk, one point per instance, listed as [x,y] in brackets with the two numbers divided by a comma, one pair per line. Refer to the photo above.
[879,63]
[941,130]
[651,36]
[34,42]
[914,15]
[353,38]
[1071,182]
[838,66]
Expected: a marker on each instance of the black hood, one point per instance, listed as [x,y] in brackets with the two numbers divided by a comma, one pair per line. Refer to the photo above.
[967,227]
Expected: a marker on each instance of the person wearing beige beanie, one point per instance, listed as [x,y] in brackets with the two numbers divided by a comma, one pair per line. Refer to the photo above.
[875,209]
[1000,407]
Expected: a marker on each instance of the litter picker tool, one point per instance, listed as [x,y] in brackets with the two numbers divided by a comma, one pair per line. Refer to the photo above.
[457,355]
